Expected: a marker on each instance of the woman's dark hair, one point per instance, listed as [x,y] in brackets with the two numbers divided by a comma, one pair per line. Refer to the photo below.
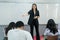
[10,26]
[35,5]
[51,26]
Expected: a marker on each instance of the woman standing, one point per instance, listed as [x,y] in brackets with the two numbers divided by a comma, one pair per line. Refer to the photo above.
[33,20]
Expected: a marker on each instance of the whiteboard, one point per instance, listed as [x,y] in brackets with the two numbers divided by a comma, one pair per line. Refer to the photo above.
[11,12]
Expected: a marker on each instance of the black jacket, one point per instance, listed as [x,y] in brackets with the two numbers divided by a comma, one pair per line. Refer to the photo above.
[31,13]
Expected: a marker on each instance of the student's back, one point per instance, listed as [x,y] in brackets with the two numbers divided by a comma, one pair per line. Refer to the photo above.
[17,34]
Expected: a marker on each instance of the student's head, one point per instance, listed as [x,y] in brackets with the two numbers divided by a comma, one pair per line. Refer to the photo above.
[52,26]
[10,26]
[34,6]
[20,24]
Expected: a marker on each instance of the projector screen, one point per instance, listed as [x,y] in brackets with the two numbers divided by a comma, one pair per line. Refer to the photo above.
[12,12]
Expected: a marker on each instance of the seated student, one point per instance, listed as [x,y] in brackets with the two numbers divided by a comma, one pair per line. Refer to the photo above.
[19,33]
[59,31]
[51,31]
[59,27]
[10,26]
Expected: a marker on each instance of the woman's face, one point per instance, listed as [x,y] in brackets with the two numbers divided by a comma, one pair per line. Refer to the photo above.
[34,6]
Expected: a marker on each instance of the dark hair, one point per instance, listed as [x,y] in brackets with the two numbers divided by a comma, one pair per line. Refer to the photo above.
[19,24]
[51,26]
[10,26]
[35,5]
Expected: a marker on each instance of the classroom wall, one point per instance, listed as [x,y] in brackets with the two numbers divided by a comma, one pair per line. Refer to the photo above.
[12,10]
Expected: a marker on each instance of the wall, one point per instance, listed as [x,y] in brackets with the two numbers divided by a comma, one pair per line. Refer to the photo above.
[14,11]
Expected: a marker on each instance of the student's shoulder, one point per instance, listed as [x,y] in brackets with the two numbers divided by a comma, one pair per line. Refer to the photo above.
[57,33]
[47,29]
[26,32]
[10,30]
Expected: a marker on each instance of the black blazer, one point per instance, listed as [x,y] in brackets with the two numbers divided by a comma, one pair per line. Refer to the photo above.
[31,13]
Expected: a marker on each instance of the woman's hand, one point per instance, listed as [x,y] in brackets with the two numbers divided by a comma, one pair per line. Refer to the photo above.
[36,17]
[25,14]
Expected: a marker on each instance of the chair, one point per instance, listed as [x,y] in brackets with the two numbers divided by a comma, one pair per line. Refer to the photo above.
[52,37]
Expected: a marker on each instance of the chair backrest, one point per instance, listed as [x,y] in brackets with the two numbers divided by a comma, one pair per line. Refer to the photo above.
[52,37]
